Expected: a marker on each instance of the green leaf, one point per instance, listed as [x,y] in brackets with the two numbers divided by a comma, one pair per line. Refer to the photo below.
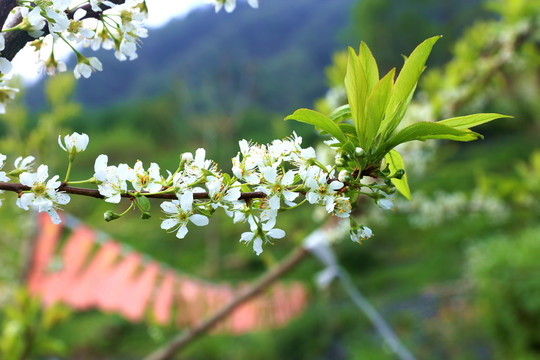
[466,122]
[341,113]
[348,129]
[357,91]
[144,203]
[320,121]
[428,130]
[391,121]
[376,106]
[409,74]
[395,163]
[370,66]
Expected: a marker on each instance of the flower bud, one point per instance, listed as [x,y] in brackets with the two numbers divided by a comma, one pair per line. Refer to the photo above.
[359,152]
[344,176]
[110,215]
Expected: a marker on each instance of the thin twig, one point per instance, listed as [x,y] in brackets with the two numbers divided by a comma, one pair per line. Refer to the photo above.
[183,339]
[17,187]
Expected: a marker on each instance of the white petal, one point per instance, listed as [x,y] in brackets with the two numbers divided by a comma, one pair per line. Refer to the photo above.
[186,201]
[288,178]
[276,233]
[169,207]
[169,223]
[274,202]
[42,173]
[54,216]
[182,232]
[60,143]
[246,236]
[269,224]
[27,178]
[269,174]
[257,246]
[335,185]
[199,220]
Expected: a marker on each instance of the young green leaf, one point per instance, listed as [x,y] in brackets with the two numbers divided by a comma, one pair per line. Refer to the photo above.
[466,122]
[144,203]
[408,77]
[395,163]
[341,113]
[376,106]
[348,129]
[369,65]
[428,130]
[357,91]
[320,121]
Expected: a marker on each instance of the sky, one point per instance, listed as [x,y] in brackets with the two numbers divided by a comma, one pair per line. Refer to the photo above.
[159,13]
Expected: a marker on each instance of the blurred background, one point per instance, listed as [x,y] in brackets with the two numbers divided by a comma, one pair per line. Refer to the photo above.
[454,272]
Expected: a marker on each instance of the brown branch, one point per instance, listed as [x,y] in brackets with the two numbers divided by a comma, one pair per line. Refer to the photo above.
[16,187]
[183,339]
[16,40]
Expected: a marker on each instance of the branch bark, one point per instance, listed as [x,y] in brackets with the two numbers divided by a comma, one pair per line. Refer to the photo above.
[182,340]
[17,187]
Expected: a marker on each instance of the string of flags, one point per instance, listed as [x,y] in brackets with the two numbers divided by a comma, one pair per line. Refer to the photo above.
[86,272]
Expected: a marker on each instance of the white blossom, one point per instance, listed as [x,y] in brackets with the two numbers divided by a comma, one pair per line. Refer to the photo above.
[276,186]
[143,180]
[260,233]
[86,66]
[360,234]
[386,202]
[112,179]
[75,143]
[319,188]
[24,164]
[42,196]
[179,212]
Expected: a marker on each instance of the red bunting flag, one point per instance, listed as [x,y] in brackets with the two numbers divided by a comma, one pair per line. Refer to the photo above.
[84,274]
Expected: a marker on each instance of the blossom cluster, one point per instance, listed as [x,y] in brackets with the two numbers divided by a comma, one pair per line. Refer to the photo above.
[97,24]
[266,180]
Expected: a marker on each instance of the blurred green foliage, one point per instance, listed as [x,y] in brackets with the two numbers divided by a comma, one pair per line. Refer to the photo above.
[25,328]
[504,273]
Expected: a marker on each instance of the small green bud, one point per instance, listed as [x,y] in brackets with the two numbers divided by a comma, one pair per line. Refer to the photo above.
[110,215]
[146,215]
[359,152]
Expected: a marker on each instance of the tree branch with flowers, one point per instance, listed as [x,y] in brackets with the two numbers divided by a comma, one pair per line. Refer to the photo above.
[270,179]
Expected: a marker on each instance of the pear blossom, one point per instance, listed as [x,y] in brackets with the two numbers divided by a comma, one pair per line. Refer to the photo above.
[24,164]
[319,188]
[75,143]
[86,66]
[361,233]
[221,194]
[260,232]
[112,179]
[197,168]
[386,202]
[143,180]
[179,212]
[42,196]
[276,186]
